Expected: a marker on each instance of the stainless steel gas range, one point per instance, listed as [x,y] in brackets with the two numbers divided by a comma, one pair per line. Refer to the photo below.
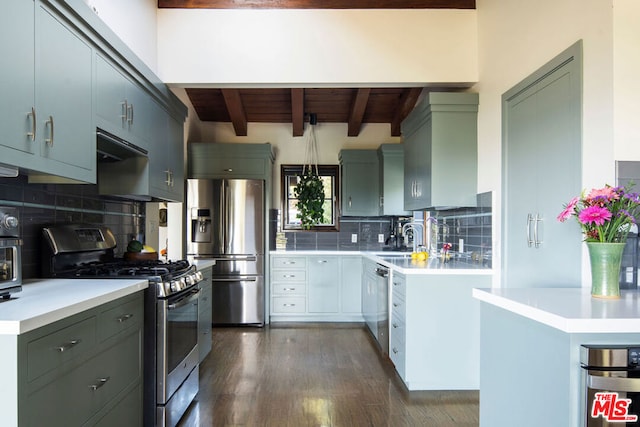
[171,312]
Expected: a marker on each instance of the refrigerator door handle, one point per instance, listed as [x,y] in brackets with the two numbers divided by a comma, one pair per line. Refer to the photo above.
[235,279]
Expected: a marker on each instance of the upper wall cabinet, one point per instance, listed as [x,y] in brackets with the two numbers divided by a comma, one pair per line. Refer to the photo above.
[441,154]
[391,159]
[359,179]
[122,107]
[46,113]
[228,160]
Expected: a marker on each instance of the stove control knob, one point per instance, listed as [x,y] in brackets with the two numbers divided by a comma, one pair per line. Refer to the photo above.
[199,276]
[9,221]
[175,286]
[189,280]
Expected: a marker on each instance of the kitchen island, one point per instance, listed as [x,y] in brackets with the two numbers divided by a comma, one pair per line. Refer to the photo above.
[72,353]
[530,350]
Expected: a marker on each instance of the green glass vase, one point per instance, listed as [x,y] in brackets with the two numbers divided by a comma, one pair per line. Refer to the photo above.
[605,268]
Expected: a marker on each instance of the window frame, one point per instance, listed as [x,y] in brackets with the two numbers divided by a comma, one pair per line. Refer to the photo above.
[295,170]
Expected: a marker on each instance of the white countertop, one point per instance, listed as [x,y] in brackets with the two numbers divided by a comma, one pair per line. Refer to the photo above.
[571,310]
[43,301]
[406,265]
[201,264]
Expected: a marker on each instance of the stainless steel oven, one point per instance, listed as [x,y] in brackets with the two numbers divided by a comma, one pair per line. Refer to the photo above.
[170,312]
[177,355]
[10,252]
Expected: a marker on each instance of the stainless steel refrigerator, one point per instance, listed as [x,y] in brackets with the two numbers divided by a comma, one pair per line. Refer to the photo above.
[225,223]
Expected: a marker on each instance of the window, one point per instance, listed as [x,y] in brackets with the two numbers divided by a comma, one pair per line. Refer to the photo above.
[289,178]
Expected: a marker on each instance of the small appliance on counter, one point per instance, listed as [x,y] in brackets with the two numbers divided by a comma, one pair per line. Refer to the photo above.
[171,357]
[10,252]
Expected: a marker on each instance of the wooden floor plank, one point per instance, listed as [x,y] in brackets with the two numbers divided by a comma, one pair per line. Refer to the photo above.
[314,375]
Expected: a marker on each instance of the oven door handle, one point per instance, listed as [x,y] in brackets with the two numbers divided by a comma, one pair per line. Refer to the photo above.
[621,384]
[184,300]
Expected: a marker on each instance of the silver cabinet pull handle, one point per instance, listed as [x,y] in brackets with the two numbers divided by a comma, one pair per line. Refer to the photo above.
[289,289]
[529,219]
[289,276]
[49,141]
[228,170]
[395,350]
[349,201]
[34,126]
[395,304]
[124,111]
[322,261]
[101,382]
[68,345]
[536,240]
[288,305]
[130,116]
[124,318]
[289,262]
[395,326]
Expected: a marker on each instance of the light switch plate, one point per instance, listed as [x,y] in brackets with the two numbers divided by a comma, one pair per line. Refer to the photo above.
[380,238]
[354,238]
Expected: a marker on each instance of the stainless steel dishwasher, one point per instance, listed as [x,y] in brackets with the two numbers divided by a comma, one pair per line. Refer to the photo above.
[382,307]
[612,385]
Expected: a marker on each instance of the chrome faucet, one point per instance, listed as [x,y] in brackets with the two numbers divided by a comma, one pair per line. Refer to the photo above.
[432,237]
[413,226]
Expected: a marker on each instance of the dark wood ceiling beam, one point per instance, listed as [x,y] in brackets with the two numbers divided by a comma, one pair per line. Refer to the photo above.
[407,103]
[236,111]
[297,111]
[318,4]
[357,111]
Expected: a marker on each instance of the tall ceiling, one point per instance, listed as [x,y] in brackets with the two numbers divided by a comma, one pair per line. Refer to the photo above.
[355,106]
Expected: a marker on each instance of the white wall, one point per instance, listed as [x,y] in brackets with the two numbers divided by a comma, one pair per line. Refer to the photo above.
[324,47]
[134,22]
[626,84]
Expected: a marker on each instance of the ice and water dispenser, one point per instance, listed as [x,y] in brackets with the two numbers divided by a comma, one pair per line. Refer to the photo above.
[200,225]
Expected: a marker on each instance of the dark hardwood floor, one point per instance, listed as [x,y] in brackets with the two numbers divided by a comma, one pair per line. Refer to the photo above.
[302,375]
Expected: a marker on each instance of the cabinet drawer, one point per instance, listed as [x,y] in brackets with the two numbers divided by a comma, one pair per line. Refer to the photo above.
[288,262]
[288,275]
[398,308]
[399,285]
[204,298]
[397,330]
[288,305]
[397,356]
[119,318]
[56,348]
[289,289]
[80,394]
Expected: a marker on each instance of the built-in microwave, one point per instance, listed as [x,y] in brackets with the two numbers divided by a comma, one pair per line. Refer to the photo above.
[10,252]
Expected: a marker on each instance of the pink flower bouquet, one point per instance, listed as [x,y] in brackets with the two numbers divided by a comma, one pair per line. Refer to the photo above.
[605,214]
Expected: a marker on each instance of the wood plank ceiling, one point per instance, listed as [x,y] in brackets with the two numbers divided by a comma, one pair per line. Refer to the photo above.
[354,106]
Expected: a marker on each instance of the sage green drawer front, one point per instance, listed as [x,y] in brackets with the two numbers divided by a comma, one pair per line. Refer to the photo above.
[288,275]
[289,289]
[126,413]
[288,304]
[75,397]
[51,351]
[119,318]
[289,262]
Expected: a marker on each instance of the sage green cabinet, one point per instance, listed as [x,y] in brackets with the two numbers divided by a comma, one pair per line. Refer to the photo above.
[311,288]
[435,330]
[441,154]
[85,369]
[391,162]
[323,284]
[49,106]
[359,178]
[205,313]
[122,107]
[228,160]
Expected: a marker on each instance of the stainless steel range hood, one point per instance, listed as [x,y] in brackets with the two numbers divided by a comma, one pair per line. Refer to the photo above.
[113,149]
[123,168]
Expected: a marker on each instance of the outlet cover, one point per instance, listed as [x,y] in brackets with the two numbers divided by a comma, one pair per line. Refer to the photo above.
[380,238]
[354,238]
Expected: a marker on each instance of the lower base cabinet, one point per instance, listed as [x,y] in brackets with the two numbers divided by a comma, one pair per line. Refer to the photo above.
[315,288]
[84,370]
[435,330]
